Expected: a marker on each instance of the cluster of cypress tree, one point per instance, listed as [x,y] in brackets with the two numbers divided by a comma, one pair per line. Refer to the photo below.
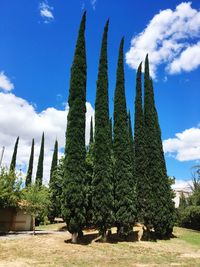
[39,172]
[117,179]
[154,194]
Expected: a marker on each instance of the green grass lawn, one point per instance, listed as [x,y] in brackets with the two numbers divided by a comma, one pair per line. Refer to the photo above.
[190,236]
[51,227]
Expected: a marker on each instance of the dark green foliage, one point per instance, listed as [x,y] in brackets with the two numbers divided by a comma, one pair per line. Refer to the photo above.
[30,166]
[91,132]
[55,186]
[39,173]
[183,202]
[102,184]
[195,187]
[111,133]
[189,208]
[131,144]
[89,176]
[162,204]
[190,217]
[144,194]
[88,183]
[73,196]
[54,162]
[14,156]
[125,210]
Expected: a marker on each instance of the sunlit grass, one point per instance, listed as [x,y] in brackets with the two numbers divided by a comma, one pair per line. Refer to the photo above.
[52,250]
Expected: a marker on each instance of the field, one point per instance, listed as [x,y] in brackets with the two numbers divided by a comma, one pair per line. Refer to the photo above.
[53,249]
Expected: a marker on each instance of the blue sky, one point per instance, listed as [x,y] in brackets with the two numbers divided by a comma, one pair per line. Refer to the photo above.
[36,52]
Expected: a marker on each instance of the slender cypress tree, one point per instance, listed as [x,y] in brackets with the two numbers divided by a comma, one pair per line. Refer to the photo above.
[39,173]
[125,210]
[162,195]
[111,133]
[102,178]
[54,162]
[131,143]
[56,183]
[89,174]
[73,203]
[91,132]
[30,166]
[14,156]
[143,185]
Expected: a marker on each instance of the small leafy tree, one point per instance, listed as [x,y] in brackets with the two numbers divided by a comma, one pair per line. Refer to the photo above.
[189,209]
[195,187]
[35,200]
[10,192]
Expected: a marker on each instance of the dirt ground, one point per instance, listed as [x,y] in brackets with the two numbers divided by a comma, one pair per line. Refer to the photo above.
[55,249]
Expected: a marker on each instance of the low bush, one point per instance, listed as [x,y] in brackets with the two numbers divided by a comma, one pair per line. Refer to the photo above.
[190,217]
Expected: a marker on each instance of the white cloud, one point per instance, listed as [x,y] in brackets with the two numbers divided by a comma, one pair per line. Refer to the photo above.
[19,118]
[93,3]
[184,146]
[46,12]
[182,185]
[187,61]
[167,39]
[5,83]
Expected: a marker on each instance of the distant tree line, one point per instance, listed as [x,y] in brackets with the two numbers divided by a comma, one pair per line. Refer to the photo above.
[118,179]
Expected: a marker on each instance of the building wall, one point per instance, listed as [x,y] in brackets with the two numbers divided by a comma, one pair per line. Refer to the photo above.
[15,220]
[179,193]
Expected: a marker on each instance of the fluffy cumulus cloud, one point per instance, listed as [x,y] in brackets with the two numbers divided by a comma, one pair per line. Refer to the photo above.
[5,83]
[19,118]
[170,38]
[46,12]
[184,146]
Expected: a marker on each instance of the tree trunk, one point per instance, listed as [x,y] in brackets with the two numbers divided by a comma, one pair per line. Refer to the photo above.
[104,236]
[74,238]
[33,222]
[80,234]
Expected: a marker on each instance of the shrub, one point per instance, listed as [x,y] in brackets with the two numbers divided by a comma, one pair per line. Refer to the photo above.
[190,217]
[10,185]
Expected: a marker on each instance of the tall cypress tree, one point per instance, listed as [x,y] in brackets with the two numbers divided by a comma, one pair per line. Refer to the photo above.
[14,156]
[73,203]
[131,144]
[102,178]
[143,185]
[39,173]
[91,132]
[125,210]
[89,175]
[162,194]
[54,162]
[56,183]
[111,133]
[30,166]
